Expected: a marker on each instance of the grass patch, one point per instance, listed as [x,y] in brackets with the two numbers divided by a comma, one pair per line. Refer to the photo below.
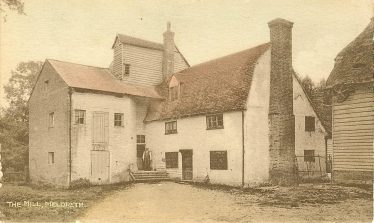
[268,195]
[314,194]
[221,187]
[68,203]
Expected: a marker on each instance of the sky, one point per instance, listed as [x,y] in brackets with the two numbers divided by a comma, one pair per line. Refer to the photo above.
[82,31]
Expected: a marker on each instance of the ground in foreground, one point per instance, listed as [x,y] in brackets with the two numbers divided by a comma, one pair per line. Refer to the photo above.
[30,204]
[173,202]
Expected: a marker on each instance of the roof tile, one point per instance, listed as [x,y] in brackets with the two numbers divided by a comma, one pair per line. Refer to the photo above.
[99,79]
[354,64]
[216,86]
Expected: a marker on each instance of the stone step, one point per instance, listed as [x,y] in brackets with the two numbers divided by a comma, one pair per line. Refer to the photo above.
[150,175]
[152,179]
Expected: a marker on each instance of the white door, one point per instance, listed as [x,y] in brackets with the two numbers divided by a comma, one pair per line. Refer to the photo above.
[100,165]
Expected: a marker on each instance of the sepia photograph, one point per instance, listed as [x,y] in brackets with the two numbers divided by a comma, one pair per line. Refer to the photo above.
[162,111]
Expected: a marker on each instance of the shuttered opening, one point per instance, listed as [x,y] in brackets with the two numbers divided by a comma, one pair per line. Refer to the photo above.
[100,130]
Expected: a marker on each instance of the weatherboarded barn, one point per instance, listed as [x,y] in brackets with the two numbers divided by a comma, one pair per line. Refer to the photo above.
[351,87]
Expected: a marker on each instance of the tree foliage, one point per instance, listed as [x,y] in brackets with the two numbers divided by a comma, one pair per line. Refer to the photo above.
[14,119]
[308,85]
[18,89]
[12,5]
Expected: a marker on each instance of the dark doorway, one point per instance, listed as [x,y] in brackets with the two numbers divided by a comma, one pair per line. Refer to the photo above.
[187,164]
[140,147]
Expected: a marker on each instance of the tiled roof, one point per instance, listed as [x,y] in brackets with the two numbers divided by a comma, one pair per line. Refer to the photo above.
[354,64]
[139,42]
[98,79]
[219,85]
[323,111]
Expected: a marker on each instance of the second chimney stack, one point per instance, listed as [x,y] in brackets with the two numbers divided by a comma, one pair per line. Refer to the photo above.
[168,55]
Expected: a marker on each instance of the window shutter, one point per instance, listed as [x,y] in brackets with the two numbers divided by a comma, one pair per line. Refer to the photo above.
[100,129]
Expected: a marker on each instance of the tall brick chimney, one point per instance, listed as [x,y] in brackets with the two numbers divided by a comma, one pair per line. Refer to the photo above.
[281,118]
[168,56]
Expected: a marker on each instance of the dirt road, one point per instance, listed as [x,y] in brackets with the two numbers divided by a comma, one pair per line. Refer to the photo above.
[173,202]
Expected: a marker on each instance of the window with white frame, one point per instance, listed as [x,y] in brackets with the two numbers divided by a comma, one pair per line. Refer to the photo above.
[171,127]
[80,116]
[118,119]
[214,121]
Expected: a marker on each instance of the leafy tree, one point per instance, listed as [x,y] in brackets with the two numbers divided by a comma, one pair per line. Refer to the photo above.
[308,85]
[14,119]
[19,88]
[13,5]
[321,86]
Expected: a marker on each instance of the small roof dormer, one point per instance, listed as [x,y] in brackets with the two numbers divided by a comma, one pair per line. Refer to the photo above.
[174,89]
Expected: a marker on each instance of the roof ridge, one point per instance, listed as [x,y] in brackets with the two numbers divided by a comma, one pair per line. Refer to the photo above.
[138,38]
[359,37]
[48,59]
[226,56]
[359,50]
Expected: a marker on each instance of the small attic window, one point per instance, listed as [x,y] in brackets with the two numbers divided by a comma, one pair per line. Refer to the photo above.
[45,85]
[174,89]
[126,69]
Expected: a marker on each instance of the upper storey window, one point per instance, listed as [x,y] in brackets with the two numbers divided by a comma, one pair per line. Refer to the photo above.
[126,69]
[214,121]
[310,123]
[80,116]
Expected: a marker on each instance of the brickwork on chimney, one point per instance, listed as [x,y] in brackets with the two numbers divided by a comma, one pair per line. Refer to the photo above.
[282,169]
[168,55]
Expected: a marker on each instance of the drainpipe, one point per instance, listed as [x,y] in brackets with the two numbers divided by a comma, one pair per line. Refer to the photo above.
[243,151]
[326,138]
[70,114]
